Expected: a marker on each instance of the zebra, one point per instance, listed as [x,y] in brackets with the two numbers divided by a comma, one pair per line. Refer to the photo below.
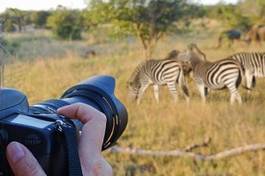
[232,35]
[157,72]
[253,64]
[225,73]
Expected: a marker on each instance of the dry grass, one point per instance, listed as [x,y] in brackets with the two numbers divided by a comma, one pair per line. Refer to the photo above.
[163,126]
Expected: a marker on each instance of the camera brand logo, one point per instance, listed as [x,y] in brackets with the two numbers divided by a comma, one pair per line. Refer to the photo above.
[32,139]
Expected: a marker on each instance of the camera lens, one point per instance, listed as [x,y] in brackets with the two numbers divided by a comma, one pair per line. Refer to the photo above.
[98,92]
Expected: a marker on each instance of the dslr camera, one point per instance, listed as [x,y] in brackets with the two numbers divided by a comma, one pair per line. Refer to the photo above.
[52,138]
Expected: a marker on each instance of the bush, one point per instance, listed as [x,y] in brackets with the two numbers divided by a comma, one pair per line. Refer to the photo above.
[8,47]
[9,26]
[65,24]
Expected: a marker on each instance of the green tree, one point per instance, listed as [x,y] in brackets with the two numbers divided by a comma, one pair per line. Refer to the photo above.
[13,17]
[231,15]
[255,9]
[65,24]
[39,18]
[149,20]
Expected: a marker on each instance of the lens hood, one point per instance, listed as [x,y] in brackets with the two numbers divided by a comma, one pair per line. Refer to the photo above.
[12,101]
[98,91]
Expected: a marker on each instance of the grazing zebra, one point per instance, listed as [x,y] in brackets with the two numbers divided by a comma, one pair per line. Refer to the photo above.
[225,73]
[157,72]
[232,35]
[253,64]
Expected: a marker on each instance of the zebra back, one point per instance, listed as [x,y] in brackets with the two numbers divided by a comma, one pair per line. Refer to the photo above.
[215,75]
[155,71]
[252,62]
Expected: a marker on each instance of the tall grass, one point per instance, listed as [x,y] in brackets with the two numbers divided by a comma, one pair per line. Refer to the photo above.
[164,126]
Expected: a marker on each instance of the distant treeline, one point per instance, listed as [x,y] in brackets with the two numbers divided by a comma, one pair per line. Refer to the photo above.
[148,20]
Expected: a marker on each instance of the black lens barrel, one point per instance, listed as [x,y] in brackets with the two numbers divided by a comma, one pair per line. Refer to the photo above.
[98,92]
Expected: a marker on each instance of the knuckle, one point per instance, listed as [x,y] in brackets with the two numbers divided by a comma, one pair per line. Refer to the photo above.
[102,117]
[34,168]
[79,104]
[108,168]
[29,167]
[102,167]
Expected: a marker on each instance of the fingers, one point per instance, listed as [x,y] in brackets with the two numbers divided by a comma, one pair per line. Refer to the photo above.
[81,111]
[94,122]
[92,135]
[100,167]
[22,162]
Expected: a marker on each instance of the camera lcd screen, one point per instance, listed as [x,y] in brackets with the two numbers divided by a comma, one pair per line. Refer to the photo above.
[29,121]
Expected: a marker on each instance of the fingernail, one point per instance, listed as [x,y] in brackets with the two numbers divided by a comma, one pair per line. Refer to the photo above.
[15,151]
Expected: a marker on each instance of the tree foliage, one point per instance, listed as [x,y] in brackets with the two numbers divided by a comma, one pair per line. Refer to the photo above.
[149,20]
[39,18]
[230,15]
[254,9]
[13,19]
[65,24]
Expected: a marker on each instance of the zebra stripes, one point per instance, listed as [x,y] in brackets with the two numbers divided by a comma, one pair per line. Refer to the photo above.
[221,74]
[253,64]
[157,72]
[226,73]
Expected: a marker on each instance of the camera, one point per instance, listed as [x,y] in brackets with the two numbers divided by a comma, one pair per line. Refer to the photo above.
[52,137]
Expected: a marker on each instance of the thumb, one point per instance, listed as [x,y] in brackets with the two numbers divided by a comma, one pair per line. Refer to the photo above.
[22,162]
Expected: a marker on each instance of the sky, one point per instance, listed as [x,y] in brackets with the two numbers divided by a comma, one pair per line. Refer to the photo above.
[73,4]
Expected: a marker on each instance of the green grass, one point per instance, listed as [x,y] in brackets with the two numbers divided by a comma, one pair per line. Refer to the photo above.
[164,126]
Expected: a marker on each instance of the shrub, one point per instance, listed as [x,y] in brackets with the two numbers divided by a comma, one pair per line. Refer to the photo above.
[65,24]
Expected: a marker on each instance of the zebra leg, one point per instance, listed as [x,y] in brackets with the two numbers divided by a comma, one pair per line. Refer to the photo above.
[141,92]
[203,91]
[173,90]
[185,91]
[183,86]
[234,95]
[249,81]
[156,92]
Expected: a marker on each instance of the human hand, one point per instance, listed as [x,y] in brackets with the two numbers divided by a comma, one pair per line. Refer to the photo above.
[23,162]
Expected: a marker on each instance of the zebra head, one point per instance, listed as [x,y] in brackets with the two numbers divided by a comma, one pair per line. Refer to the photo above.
[134,83]
[133,89]
[192,56]
[186,67]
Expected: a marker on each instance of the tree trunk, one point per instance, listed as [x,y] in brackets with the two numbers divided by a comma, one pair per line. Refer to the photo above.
[149,47]
[148,52]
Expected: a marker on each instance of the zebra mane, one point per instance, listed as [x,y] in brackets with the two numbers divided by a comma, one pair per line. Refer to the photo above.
[172,54]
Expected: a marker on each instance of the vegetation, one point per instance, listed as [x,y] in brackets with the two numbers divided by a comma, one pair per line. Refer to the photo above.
[164,126]
[44,67]
[39,18]
[148,20]
[65,24]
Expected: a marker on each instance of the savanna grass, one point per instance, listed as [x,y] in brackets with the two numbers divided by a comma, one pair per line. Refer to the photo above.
[164,126]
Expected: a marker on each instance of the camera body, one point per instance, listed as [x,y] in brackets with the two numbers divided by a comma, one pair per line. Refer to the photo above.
[50,136]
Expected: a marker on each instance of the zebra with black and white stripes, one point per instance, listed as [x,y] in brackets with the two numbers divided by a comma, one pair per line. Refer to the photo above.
[253,64]
[225,73]
[157,72]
